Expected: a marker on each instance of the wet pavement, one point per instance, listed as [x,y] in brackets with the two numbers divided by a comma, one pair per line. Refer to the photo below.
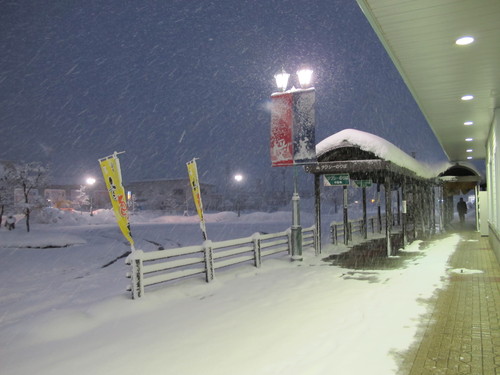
[461,334]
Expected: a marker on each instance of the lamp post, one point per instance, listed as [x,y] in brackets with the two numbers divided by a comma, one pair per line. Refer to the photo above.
[90,182]
[238,178]
[293,116]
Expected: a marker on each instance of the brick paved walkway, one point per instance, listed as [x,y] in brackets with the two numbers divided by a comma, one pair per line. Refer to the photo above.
[462,333]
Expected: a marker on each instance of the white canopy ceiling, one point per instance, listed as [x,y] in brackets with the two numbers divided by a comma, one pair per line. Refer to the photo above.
[420,39]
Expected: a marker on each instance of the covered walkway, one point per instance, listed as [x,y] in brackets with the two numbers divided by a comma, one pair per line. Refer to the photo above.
[461,334]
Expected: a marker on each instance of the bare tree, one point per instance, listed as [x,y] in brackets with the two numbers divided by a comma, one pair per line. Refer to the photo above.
[6,187]
[83,197]
[29,177]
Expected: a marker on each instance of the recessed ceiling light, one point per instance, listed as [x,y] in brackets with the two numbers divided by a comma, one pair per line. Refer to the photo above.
[469,123]
[469,139]
[463,41]
[469,157]
[469,150]
[467,97]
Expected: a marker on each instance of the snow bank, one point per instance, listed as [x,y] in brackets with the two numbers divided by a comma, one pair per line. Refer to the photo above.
[19,238]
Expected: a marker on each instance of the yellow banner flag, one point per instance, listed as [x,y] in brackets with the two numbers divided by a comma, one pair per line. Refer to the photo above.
[110,167]
[195,187]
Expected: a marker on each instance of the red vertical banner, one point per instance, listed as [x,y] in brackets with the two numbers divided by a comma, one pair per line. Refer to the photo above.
[282,129]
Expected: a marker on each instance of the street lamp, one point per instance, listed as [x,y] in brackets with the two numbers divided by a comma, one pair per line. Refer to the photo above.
[238,178]
[90,182]
[285,121]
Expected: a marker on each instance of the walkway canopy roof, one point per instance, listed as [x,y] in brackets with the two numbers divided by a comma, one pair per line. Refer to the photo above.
[367,156]
[459,178]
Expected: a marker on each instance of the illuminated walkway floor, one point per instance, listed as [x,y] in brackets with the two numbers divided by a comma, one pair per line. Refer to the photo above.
[461,335]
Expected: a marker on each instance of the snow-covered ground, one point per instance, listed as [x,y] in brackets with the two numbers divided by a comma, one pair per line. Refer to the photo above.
[64,308]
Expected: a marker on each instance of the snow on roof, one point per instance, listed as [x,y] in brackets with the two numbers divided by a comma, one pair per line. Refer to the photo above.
[381,148]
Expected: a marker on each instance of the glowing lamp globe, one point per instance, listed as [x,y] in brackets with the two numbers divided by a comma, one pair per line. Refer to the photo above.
[282,80]
[305,77]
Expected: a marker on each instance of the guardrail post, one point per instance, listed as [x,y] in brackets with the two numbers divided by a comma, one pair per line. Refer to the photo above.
[257,249]
[137,287]
[209,262]
[317,250]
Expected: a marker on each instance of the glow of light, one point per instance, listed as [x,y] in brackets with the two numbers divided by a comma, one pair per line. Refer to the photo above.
[238,178]
[469,123]
[90,180]
[469,157]
[282,80]
[465,40]
[467,97]
[305,77]
[469,150]
[469,139]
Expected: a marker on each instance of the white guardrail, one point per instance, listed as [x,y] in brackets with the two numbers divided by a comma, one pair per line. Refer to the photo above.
[150,268]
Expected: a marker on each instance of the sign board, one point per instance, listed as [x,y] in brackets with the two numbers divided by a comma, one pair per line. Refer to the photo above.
[341,179]
[362,183]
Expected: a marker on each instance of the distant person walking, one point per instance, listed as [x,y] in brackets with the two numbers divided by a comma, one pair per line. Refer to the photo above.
[462,210]
[10,223]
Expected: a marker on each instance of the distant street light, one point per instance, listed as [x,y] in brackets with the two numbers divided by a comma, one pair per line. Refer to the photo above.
[90,182]
[238,178]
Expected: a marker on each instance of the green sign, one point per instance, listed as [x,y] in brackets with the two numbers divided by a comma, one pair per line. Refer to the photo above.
[337,179]
[363,183]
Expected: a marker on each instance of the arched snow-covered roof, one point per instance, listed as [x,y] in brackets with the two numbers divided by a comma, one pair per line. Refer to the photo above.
[461,169]
[351,144]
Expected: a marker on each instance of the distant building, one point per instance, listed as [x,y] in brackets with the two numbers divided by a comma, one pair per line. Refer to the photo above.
[171,195]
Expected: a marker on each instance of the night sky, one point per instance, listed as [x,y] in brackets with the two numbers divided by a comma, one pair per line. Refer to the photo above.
[166,81]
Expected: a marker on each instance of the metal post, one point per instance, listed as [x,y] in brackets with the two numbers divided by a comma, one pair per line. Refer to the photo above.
[388,213]
[403,212]
[346,219]
[399,208]
[317,207]
[379,210]
[91,201]
[476,197]
[441,208]
[433,210]
[296,228]
[365,223]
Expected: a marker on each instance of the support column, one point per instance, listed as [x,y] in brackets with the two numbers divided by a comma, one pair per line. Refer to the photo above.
[441,208]
[388,213]
[379,210]
[365,221]
[317,209]
[399,207]
[476,197]
[346,219]
[433,210]
[403,212]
